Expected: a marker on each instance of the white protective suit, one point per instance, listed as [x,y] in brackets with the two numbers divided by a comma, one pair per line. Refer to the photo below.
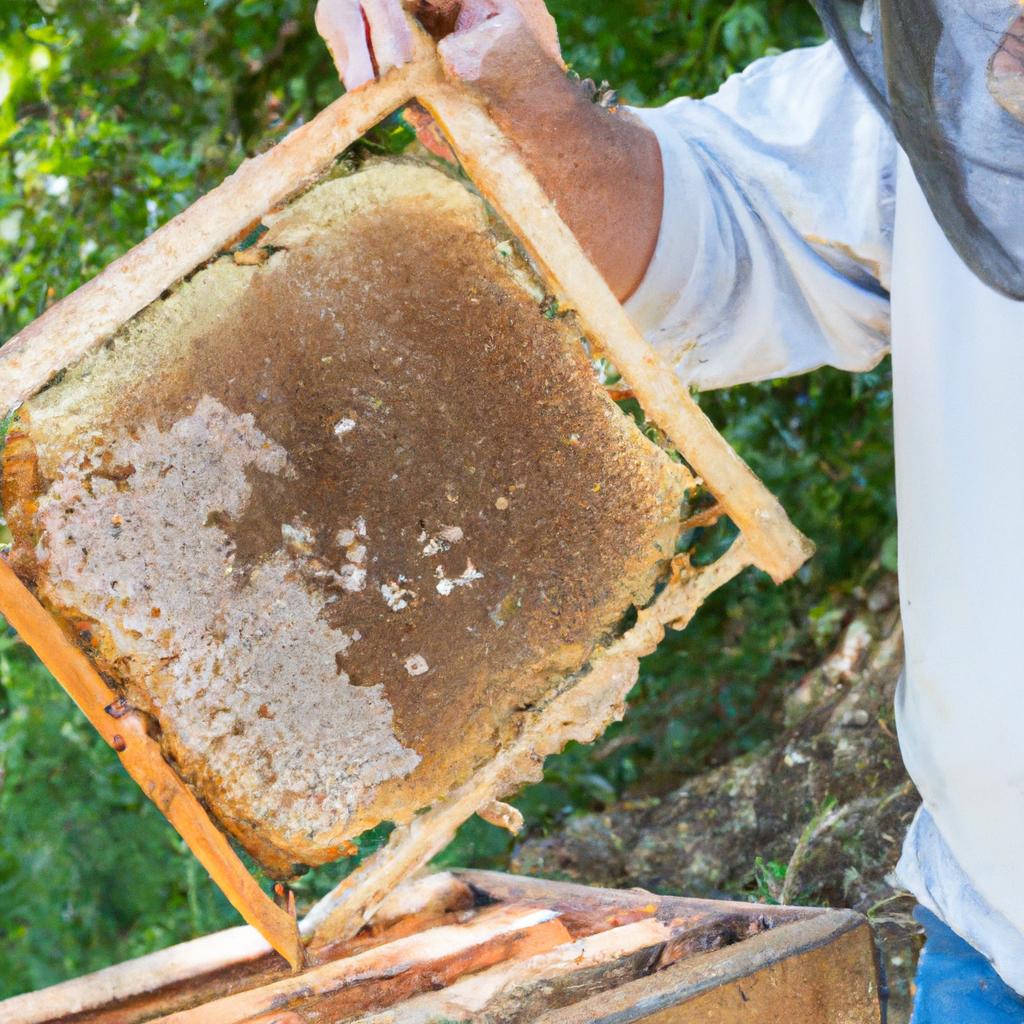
[790,215]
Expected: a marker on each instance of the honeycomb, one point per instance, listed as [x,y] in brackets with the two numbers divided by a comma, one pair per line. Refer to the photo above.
[340,509]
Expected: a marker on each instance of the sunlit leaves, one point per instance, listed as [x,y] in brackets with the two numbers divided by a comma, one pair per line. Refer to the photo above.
[116,116]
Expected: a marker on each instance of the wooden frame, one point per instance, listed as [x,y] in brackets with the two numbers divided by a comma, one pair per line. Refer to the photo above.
[471,945]
[85,319]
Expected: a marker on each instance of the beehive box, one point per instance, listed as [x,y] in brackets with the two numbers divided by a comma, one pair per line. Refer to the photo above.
[495,949]
[323,516]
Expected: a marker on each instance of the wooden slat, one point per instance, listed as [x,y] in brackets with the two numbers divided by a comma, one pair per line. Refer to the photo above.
[395,971]
[115,985]
[821,970]
[86,318]
[616,955]
[144,762]
[215,965]
[569,899]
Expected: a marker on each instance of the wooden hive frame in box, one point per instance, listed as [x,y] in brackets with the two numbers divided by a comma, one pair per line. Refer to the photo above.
[582,709]
[482,946]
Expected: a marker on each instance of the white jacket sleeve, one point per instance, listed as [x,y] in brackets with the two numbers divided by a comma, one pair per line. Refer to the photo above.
[774,251]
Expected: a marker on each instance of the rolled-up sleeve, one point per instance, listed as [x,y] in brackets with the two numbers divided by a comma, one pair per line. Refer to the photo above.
[774,250]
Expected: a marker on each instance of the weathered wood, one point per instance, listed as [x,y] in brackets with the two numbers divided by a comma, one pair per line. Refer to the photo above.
[545,951]
[230,961]
[573,901]
[817,970]
[809,971]
[184,963]
[90,315]
[581,712]
[396,971]
[603,960]
[431,895]
[141,756]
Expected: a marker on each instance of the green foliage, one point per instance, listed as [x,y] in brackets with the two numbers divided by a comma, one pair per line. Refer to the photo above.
[654,50]
[115,116]
[83,849]
[768,878]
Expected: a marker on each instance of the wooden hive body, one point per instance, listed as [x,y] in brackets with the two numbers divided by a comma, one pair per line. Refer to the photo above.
[488,948]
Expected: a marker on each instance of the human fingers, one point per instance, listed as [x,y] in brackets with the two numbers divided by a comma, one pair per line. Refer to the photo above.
[341,25]
[533,14]
[365,38]
[390,34]
[486,27]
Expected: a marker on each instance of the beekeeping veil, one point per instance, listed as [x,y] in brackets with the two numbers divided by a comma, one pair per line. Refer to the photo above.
[949,77]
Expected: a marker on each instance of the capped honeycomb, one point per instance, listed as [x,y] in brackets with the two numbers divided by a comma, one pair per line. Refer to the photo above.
[339,509]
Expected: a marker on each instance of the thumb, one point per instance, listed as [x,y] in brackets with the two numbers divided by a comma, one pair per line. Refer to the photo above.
[341,25]
[389,31]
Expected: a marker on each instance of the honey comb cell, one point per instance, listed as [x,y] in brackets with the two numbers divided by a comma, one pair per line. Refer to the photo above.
[337,516]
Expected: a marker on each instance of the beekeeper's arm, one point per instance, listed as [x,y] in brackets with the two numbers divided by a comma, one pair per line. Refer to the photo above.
[749,232]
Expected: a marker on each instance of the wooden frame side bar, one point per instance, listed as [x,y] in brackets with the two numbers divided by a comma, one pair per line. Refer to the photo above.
[86,318]
[496,167]
[144,762]
[807,971]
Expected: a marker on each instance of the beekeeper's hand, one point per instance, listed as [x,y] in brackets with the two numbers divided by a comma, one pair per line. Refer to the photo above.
[601,167]
[369,37]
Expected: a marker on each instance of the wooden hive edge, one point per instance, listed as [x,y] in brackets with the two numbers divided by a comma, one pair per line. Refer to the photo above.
[484,952]
[783,973]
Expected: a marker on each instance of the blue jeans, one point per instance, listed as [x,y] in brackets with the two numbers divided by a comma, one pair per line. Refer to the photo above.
[957,985]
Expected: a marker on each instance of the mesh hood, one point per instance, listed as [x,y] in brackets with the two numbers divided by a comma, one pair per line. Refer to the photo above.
[949,77]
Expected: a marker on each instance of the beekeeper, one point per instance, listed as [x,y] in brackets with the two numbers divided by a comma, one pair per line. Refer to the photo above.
[820,204]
